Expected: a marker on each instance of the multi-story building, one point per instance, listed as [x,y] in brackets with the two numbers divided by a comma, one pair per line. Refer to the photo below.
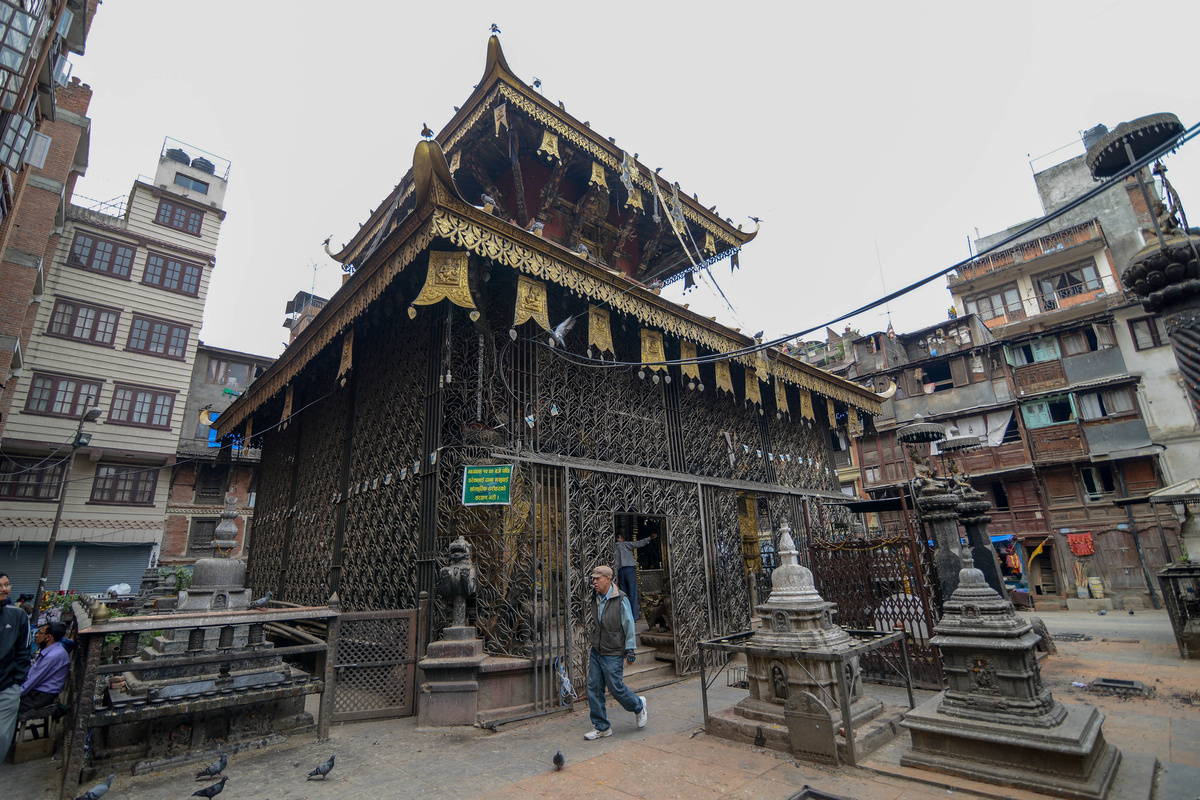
[1049,363]
[116,331]
[205,471]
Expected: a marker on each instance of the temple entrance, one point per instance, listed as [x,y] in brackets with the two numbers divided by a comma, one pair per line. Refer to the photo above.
[653,617]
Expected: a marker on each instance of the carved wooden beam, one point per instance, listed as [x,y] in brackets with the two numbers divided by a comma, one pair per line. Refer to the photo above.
[623,234]
[480,174]
[587,211]
[518,181]
[550,190]
[653,245]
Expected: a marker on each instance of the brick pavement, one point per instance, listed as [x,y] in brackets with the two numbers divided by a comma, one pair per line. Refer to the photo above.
[670,758]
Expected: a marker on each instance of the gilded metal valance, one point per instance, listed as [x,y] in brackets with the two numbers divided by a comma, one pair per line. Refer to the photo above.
[531,303]
[652,350]
[600,331]
[781,404]
[687,351]
[549,146]
[347,361]
[806,405]
[753,392]
[446,280]
[724,380]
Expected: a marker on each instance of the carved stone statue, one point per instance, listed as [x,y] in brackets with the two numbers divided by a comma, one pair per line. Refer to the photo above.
[456,580]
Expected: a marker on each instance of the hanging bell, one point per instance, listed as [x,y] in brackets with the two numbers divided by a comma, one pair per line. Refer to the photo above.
[656,377]
[667,378]
[512,334]
[642,374]
[700,387]
[691,385]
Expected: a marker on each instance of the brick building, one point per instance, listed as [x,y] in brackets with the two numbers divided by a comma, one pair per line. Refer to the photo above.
[117,331]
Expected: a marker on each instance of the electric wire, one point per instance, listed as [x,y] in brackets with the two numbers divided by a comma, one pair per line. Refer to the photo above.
[1102,187]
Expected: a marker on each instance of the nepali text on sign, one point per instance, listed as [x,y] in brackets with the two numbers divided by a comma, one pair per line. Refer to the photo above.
[486,485]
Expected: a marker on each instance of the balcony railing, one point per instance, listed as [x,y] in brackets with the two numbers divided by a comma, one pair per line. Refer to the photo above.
[1021,253]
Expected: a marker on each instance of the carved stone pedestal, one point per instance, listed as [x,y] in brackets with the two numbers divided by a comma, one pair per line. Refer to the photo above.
[450,693]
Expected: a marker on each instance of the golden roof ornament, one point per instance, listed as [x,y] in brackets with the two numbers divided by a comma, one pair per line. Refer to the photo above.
[806,405]
[549,147]
[599,332]
[691,371]
[652,352]
[447,279]
[531,303]
[500,117]
[753,391]
[781,404]
[724,380]
[347,357]
[597,178]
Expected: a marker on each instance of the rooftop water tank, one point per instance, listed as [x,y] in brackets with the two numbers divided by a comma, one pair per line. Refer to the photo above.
[204,165]
[175,154]
[1093,135]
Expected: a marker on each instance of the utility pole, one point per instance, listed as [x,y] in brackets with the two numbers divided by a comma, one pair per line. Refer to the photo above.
[81,440]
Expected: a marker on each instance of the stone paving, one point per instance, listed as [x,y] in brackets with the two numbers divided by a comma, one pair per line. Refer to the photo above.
[671,758]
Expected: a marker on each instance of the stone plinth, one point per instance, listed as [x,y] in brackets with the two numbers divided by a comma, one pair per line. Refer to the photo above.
[996,722]
[450,692]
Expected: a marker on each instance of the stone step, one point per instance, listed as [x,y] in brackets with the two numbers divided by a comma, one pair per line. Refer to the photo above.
[665,641]
[641,676]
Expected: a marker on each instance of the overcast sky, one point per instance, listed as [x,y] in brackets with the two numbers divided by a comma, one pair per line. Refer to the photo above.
[863,134]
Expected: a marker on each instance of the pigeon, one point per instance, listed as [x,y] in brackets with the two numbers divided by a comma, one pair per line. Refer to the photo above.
[495,28]
[322,771]
[488,200]
[426,131]
[214,770]
[559,761]
[559,335]
[97,791]
[582,251]
[211,791]
[755,220]
[261,602]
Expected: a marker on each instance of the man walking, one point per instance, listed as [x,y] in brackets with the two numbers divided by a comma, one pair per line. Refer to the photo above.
[612,640]
[14,663]
[626,563]
[48,675]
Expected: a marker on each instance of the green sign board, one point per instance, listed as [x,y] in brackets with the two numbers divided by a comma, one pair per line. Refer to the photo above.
[486,485]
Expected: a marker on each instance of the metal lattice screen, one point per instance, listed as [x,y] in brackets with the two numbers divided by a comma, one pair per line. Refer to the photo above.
[374,665]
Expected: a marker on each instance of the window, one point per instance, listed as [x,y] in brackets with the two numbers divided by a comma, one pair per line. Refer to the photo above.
[1148,332]
[179,217]
[172,275]
[102,255]
[1000,496]
[233,374]
[1098,484]
[211,482]
[1108,403]
[1050,411]
[31,478]
[1076,279]
[15,131]
[150,408]
[17,31]
[190,183]
[1035,351]
[83,323]
[158,337]
[119,484]
[201,535]
[1005,301]
[62,395]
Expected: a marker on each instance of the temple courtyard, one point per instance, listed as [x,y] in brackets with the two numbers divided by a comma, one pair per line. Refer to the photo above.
[673,758]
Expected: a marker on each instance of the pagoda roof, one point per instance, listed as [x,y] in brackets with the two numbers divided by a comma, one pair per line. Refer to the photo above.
[500,86]
[440,212]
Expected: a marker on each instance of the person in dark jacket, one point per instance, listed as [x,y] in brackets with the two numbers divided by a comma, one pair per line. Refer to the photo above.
[613,644]
[14,664]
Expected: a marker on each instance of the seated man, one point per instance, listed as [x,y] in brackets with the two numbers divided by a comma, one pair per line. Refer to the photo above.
[48,673]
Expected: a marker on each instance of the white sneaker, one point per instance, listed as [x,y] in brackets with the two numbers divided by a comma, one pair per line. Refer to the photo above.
[641,715]
[596,733]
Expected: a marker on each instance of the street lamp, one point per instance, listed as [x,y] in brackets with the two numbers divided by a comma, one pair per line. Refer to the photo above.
[81,440]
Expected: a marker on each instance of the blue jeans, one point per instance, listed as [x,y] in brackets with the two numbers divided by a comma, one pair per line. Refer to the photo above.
[627,583]
[608,671]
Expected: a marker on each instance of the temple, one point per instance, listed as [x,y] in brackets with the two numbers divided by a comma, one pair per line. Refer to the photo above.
[492,369]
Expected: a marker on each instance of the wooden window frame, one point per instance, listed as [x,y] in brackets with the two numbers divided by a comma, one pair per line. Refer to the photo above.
[71,324]
[144,478]
[1158,332]
[51,398]
[125,418]
[172,329]
[181,217]
[160,280]
[222,377]
[44,479]
[194,548]
[83,256]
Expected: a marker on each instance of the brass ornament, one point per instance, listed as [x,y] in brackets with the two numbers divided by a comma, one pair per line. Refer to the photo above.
[347,361]
[575,278]
[549,146]
[710,246]
[455,161]
[629,172]
[806,405]
[761,367]
[531,303]
[500,117]
[753,392]
[598,178]
[724,381]
[446,280]
[635,200]
[854,423]
[652,350]
[687,350]
[781,404]
[600,330]
[832,413]
[287,405]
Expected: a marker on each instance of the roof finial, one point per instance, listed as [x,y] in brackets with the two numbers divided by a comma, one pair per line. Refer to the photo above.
[495,28]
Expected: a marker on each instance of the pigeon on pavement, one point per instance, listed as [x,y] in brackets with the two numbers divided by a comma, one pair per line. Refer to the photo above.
[322,771]
[559,761]
[97,791]
[211,791]
[214,770]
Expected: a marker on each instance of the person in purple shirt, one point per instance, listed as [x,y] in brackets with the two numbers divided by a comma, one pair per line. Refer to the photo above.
[48,674]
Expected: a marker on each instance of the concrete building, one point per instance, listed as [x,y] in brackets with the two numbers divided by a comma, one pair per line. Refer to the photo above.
[116,330]
[43,150]
[205,472]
